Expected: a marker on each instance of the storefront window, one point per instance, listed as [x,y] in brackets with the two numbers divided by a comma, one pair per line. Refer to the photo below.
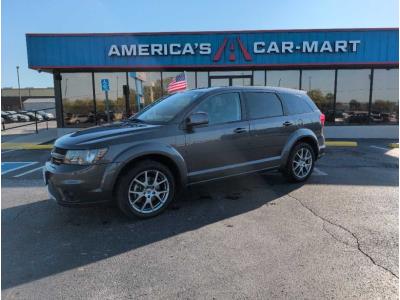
[320,86]
[77,99]
[259,78]
[135,92]
[116,97]
[151,87]
[289,79]
[352,96]
[385,96]
[191,80]
[202,79]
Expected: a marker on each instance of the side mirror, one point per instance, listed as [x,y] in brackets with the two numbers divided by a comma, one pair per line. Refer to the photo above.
[198,118]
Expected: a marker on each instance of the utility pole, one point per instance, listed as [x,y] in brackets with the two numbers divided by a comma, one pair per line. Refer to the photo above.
[19,89]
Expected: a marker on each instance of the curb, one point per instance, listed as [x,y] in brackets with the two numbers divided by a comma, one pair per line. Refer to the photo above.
[393,145]
[341,144]
[25,146]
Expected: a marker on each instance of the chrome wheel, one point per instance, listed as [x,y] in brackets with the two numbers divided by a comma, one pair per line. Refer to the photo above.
[302,162]
[148,191]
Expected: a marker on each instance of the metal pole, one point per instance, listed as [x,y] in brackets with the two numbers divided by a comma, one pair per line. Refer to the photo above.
[36,123]
[107,108]
[19,89]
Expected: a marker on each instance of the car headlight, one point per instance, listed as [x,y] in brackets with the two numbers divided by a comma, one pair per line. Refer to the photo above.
[84,157]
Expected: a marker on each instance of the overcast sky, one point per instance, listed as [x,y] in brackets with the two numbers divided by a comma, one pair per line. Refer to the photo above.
[51,16]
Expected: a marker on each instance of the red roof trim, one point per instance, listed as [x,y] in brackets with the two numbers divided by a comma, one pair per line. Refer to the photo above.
[160,67]
[214,32]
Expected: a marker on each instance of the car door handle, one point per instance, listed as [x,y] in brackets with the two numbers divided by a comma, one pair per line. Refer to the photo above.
[240,130]
[287,123]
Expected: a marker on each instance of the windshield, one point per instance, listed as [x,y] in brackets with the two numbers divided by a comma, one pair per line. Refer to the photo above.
[165,109]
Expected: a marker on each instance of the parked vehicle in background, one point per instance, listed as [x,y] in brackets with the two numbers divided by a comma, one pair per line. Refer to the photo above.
[20,117]
[358,117]
[46,115]
[9,118]
[101,117]
[78,119]
[187,138]
[32,116]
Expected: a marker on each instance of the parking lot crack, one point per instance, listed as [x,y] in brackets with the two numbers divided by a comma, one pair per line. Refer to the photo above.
[357,242]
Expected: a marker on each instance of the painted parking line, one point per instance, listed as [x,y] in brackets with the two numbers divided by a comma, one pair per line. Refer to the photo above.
[8,151]
[7,167]
[30,171]
[318,172]
[381,148]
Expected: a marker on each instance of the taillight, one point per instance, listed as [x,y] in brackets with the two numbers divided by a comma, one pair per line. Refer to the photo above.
[322,119]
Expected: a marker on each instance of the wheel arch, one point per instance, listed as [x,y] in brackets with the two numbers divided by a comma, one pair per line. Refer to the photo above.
[165,154]
[301,135]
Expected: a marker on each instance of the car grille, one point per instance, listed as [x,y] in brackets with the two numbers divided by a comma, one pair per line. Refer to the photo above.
[57,155]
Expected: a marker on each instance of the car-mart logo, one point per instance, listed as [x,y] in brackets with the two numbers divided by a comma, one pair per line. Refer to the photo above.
[232,54]
[232,47]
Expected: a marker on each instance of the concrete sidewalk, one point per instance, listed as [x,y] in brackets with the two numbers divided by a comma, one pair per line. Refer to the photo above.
[42,137]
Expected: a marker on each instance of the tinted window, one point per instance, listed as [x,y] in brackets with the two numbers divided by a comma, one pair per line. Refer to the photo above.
[221,108]
[296,104]
[385,96]
[320,85]
[352,96]
[263,105]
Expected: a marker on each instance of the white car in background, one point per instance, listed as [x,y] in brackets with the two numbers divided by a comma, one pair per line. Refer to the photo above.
[20,117]
[47,116]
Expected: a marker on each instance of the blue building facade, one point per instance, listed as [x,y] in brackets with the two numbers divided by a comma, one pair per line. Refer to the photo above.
[351,74]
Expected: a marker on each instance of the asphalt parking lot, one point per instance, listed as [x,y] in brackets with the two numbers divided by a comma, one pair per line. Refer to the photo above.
[252,237]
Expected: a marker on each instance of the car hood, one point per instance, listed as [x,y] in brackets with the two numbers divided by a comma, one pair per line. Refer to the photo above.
[104,135]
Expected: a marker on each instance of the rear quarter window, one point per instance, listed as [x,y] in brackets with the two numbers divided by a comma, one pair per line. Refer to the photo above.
[298,103]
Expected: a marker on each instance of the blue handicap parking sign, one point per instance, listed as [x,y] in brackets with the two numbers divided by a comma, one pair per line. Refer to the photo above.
[105,85]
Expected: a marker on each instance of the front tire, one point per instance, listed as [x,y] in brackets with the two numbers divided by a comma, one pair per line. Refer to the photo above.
[300,163]
[146,190]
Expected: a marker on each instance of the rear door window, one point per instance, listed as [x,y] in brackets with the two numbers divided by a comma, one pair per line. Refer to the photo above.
[296,104]
[263,105]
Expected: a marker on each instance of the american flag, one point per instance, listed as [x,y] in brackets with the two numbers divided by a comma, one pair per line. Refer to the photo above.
[178,83]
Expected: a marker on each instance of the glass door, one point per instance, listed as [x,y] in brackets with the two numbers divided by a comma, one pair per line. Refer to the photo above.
[214,81]
[242,81]
[233,80]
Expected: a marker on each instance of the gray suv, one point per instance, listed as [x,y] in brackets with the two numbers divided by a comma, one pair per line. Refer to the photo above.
[183,139]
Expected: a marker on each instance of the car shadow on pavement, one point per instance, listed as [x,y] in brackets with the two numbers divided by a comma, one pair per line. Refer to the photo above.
[40,239]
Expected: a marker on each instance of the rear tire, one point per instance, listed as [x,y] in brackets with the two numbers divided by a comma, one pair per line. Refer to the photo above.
[300,163]
[146,190]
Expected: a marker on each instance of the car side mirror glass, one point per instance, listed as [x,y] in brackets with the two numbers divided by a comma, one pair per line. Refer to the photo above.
[198,118]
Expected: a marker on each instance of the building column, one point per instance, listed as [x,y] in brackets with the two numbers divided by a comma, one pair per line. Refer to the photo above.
[58,99]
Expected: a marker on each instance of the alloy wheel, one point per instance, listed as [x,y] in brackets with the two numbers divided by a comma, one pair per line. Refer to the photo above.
[302,162]
[148,191]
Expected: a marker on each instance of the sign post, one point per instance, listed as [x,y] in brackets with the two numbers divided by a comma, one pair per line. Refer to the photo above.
[105,86]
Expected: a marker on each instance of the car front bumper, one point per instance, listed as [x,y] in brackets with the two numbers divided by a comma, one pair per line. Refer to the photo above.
[74,185]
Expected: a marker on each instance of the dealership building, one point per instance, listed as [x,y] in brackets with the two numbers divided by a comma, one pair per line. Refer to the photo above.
[351,74]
